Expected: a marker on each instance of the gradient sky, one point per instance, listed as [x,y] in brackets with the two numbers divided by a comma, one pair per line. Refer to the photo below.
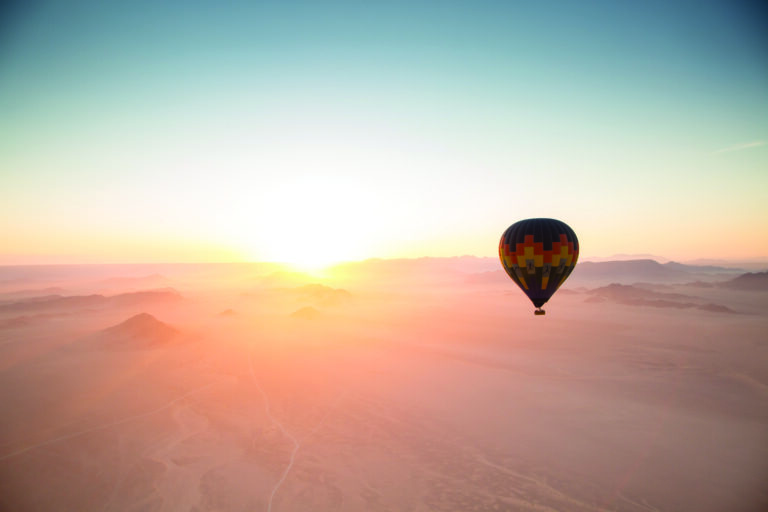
[321,131]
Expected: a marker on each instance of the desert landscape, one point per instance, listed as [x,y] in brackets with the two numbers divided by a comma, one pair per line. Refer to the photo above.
[382,385]
[290,256]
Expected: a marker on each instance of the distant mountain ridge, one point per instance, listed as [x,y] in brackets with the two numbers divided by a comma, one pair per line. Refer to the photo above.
[634,296]
[54,302]
[647,271]
[753,281]
[18,295]
[626,257]
[488,271]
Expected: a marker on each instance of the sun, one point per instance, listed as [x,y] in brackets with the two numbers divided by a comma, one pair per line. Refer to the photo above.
[311,225]
[310,247]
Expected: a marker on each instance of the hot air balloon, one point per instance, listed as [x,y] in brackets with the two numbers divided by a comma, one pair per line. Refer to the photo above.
[539,255]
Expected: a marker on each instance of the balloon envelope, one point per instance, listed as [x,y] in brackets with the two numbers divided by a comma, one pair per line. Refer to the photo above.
[539,255]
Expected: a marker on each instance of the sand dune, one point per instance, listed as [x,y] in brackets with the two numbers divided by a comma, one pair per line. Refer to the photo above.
[435,396]
[139,331]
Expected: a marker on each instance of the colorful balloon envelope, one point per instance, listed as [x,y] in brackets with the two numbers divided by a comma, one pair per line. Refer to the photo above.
[539,255]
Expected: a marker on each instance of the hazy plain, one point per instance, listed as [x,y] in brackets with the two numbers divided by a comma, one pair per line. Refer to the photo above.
[411,385]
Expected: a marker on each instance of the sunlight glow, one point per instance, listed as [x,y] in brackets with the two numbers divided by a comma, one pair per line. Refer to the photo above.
[310,225]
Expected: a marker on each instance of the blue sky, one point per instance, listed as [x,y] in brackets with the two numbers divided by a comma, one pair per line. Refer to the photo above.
[423,128]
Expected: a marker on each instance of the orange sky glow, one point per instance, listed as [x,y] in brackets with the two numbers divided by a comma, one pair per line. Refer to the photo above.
[208,143]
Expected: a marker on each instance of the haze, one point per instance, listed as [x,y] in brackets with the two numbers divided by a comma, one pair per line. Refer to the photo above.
[151,152]
[422,384]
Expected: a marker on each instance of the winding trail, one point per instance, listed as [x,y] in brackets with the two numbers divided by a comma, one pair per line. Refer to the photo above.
[105,425]
[296,444]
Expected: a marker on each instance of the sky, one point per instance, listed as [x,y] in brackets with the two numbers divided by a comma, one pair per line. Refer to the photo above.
[314,132]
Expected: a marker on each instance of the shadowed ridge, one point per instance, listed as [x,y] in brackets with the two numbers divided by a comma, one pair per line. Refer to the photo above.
[637,296]
[323,295]
[306,313]
[752,281]
[647,271]
[144,327]
[75,302]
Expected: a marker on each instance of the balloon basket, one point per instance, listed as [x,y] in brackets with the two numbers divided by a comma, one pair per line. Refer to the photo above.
[539,312]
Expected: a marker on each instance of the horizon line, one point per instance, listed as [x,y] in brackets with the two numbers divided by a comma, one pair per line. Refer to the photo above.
[588,259]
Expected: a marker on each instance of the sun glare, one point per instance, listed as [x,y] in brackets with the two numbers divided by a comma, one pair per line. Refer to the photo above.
[311,225]
[309,251]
